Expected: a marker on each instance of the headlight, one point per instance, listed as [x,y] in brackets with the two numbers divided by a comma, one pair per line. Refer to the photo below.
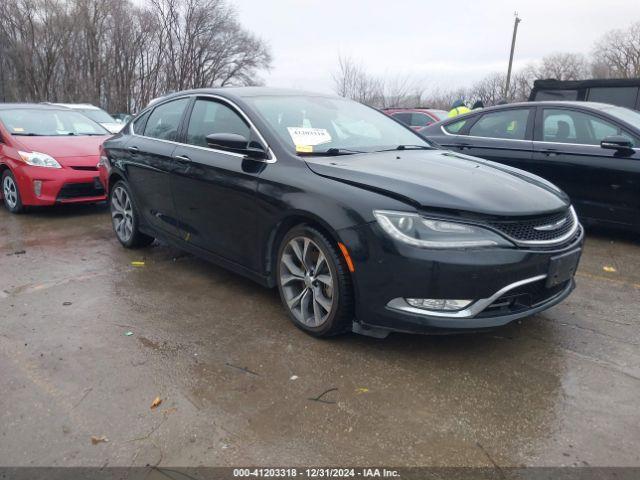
[38,159]
[418,231]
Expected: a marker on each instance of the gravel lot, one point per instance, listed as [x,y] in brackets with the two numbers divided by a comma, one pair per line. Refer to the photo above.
[237,379]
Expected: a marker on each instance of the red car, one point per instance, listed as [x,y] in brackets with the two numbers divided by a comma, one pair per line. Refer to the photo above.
[48,155]
[416,118]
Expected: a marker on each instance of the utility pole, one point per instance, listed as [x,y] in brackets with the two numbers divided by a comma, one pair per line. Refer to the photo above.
[516,21]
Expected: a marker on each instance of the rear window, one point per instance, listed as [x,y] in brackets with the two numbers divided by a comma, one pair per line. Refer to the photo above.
[508,124]
[165,119]
[622,96]
[455,127]
[542,95]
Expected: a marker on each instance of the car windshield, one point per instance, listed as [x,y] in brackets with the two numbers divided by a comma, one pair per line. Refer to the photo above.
[48,123]
[97,115]
[314,125]
[625,114]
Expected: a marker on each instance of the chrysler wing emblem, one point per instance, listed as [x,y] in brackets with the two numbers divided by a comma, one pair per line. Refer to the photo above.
[551,226]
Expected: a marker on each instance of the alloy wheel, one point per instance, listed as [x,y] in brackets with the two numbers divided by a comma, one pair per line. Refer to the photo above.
[122,213]
[306,281]
[10,192]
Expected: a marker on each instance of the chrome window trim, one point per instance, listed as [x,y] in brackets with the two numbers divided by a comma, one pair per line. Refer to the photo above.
[469,312]
[486,138]
[272,159]
[597,145]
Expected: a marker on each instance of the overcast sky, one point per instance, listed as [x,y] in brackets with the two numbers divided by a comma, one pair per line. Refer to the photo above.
[446,43]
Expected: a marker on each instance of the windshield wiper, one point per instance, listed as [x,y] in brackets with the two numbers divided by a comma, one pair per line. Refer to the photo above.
[331,152]
[28,134]
[412,147]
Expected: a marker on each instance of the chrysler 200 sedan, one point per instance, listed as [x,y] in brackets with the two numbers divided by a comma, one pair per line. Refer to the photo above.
[360,223]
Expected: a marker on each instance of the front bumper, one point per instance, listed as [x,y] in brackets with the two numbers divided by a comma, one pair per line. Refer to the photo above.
[505,283]
[59,185]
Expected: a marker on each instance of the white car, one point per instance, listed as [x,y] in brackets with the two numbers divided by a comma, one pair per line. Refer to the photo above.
[96,114]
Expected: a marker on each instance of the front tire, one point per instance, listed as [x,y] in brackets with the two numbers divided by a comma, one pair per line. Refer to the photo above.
[11,193]
[125,217]
[314,283]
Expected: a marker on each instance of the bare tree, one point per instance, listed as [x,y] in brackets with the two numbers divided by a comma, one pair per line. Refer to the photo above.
[564,66]
[617,54]
[119,54]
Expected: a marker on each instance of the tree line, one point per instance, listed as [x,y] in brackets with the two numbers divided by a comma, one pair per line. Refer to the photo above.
[119,54]
[615,55]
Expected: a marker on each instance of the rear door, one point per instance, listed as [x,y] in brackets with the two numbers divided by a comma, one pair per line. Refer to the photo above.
[503,136]
[215,190]
[150,163]
[451,135]
[603,184]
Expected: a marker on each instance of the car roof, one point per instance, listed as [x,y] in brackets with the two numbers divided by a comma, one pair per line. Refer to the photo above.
[548,103]
[87,106]
[246,92]
[30,106]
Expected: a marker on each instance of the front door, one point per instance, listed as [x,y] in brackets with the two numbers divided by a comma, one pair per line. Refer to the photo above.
[215,191]
[603,184]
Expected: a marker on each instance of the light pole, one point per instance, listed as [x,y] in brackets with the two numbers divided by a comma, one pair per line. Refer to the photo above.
[516,21]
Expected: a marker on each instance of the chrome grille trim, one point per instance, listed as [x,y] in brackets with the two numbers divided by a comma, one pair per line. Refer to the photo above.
[555,241]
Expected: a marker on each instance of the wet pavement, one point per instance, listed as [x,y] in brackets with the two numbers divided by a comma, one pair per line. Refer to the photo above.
[237,380]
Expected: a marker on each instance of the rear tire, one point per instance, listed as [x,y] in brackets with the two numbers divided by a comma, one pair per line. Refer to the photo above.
[11,193]
[314,283]
[125,217]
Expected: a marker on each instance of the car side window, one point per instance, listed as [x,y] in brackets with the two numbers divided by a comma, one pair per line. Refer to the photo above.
[509,124]
[455,127]
[570,126]
[404,117]
[139,123]
[420,120]
[164,121]
[210,116]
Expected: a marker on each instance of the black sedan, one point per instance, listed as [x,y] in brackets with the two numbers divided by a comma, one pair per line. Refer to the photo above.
[360,223]
[590,150]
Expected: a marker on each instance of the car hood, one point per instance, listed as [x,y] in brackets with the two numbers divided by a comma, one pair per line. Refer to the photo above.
[438,179]
[68,151]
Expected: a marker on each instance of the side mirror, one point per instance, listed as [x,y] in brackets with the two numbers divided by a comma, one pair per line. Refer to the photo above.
[233,142]
[616,142]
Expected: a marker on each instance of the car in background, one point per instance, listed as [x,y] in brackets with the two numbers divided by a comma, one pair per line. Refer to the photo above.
[589,150]
[359,222]
[622,92]
[416,118]
[122,118]
[96,114]
[48,155]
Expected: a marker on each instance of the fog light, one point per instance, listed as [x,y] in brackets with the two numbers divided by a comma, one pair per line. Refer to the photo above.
[441,304]
[37,187]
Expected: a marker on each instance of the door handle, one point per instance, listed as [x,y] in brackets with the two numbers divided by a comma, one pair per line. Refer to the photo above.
[134,150]
[182,158]
[550,151]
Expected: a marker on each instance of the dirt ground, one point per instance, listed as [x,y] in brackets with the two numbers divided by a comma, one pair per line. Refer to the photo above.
[237,379]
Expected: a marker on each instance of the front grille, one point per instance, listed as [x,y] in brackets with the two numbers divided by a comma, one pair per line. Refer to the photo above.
[79,190]
[523,298]
[525,230]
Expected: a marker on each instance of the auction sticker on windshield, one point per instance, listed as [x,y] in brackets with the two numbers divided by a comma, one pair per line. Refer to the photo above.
[304,137]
